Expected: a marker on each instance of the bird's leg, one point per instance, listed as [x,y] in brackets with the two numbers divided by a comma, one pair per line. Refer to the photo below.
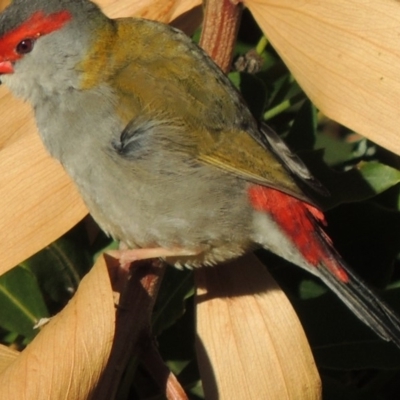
[127,256]
[120,271]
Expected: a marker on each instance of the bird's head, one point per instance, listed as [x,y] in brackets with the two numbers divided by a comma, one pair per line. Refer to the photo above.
[42,42]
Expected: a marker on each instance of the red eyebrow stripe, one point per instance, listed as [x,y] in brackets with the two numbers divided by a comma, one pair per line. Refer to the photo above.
[37,25]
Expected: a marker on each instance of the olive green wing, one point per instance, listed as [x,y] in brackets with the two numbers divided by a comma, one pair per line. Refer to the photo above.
[180,83]
[241,154]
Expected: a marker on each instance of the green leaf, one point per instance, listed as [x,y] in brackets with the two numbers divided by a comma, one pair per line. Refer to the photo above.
[379,177]
[363,182]
[336,152]
[310,289]
[357,355]
[284,88]
[368,237]
[301,135]
[176,345]
[176,287]
[21,302]
[339,339]
[235,79]
[253,91]
[60,266]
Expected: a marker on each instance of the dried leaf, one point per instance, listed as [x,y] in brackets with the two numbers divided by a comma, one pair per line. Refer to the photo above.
[67,357]
[250,343]
[160,10]
[4,4]
[7,356]
[345,55]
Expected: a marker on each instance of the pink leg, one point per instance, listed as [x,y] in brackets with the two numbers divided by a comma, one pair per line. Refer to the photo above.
[120,273]
[127,256]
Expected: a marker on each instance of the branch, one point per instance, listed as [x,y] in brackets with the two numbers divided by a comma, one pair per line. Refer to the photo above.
[220,27]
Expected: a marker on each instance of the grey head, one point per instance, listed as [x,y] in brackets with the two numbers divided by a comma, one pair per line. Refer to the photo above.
[41,43]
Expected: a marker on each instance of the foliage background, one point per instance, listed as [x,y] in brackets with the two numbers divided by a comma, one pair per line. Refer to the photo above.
[363,221]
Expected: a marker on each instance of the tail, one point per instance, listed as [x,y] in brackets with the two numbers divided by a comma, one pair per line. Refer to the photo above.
[302,223]
[363,302]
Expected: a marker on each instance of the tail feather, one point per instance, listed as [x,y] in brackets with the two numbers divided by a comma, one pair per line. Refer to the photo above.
[362,301]
[302,223]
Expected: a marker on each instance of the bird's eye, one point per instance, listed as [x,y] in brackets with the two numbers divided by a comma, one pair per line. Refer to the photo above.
[24,46]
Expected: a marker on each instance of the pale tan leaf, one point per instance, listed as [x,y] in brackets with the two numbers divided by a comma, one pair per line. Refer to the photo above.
[67,357]
[160,10]
[7,356]
[346,56]
[4,4]
[250,343]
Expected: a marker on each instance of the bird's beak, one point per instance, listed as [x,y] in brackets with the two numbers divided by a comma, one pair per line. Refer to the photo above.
[6,67]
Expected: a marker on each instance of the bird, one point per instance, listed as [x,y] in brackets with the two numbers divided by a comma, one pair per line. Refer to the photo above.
[164,151]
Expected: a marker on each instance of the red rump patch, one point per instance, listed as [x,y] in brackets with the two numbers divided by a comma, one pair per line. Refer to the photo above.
[37,25]
[300,222]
